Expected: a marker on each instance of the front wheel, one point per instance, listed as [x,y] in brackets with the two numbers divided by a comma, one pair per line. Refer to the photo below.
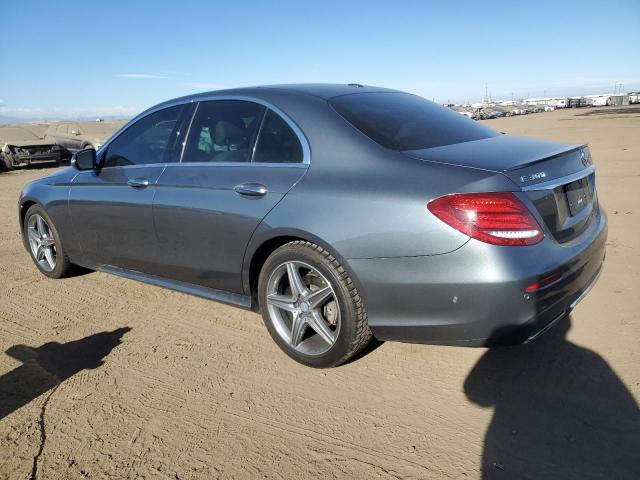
[311,307]
[43,242]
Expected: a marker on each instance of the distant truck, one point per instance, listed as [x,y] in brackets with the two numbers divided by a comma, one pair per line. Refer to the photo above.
[576,102]
[20,147]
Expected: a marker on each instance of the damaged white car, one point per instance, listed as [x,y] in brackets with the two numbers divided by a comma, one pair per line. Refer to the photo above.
[20,147]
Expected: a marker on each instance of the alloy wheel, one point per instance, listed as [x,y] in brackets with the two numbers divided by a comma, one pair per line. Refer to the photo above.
[303,307]
[41,242]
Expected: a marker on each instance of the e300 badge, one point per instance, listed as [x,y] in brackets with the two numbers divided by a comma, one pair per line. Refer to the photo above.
[532,177]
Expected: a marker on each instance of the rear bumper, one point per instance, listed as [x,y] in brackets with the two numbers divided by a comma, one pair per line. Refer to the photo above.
[475,296]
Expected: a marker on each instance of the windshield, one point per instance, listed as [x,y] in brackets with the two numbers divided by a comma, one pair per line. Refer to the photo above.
[402,121]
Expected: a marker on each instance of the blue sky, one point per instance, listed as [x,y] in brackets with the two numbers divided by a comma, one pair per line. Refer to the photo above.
[66,58]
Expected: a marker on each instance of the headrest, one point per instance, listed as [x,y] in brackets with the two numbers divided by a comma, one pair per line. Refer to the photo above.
[228,133]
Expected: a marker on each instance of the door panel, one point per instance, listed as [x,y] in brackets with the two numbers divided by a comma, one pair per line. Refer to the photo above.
[203,225]
[62,137]
[75,141]
[113,221]
[111,208]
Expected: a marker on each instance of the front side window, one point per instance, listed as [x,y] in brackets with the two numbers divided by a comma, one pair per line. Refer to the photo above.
[145,141]
[223,131]
[277,143]
[401,121]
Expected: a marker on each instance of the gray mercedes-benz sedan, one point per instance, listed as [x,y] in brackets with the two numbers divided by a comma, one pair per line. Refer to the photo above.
[340,212]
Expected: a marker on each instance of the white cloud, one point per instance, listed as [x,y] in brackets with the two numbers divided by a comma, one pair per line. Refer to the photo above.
[141,75]
[204,86]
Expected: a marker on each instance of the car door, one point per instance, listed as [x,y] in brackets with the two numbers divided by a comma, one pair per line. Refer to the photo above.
[233,172]
[111,207]
[75,137]
[61,137]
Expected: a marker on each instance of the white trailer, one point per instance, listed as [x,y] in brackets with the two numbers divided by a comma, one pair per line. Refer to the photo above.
[608,99]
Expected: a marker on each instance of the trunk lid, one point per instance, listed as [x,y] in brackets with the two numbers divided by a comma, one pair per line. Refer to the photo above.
[557,179]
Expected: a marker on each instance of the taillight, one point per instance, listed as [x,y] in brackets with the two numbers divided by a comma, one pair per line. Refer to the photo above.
[499,218]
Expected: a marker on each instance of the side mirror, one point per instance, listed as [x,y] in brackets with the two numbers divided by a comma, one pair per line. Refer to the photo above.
[75,132]
[84,159]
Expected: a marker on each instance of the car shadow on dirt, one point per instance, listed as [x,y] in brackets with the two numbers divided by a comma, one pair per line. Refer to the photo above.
[560,411]
[50,364]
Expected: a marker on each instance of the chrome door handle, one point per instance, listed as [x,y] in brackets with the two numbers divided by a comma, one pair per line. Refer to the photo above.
[251,189]
[138,182]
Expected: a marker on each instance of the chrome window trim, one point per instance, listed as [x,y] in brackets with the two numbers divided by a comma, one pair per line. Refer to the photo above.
[256,140]
[302,138]
[556,182]
[238,164]
[140,165]
[210,164]
[186,135]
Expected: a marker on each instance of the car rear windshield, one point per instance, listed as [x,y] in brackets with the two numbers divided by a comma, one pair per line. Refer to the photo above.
[402,121]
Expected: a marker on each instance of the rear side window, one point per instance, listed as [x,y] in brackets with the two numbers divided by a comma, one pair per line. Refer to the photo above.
[401,121]
[277,143]
[145,141]
[223,131]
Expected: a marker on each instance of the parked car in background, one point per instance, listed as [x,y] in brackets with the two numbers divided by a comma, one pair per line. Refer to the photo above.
[469,112]
[75,136]
[338,211]
[519,109]
[20,147]
[489,112]
[506,111]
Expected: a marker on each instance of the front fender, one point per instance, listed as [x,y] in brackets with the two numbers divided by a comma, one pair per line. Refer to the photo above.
[52,194]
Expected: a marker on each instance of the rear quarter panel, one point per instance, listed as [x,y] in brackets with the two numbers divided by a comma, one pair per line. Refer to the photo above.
[359,215]
[380,214]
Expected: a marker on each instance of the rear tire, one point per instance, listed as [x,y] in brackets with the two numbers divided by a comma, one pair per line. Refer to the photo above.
[334,327]
[38,223]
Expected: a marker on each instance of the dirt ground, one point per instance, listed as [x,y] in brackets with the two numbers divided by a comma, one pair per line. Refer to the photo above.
[103,377]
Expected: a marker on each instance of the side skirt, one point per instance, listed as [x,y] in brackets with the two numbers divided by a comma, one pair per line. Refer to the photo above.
[235,299]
